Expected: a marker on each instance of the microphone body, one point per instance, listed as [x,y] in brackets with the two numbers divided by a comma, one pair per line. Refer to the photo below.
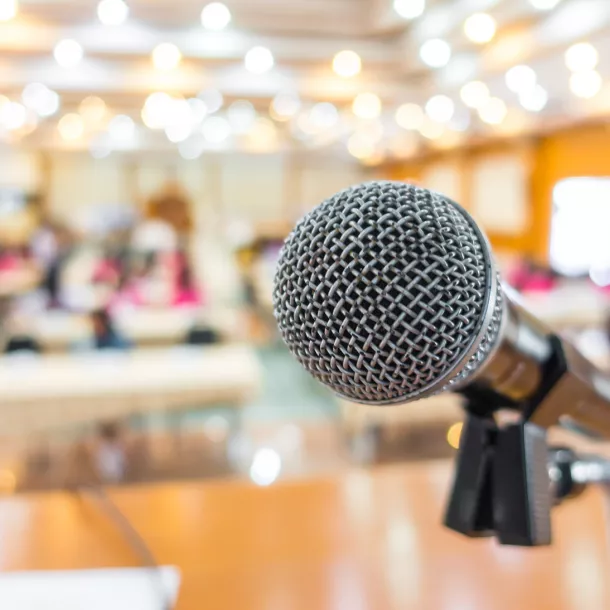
[388,293]
[544,376]
[571,473]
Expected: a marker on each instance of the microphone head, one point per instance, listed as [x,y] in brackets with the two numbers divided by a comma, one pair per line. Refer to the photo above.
[387,293]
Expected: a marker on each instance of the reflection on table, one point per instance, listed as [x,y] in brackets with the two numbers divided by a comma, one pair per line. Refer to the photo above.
[364,539]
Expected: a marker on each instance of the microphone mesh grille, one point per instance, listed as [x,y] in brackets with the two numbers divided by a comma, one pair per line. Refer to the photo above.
[380,291]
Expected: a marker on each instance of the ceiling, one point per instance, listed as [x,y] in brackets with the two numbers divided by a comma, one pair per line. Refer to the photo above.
[303,36]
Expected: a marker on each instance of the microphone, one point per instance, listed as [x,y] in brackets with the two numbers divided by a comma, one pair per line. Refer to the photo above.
[388,293]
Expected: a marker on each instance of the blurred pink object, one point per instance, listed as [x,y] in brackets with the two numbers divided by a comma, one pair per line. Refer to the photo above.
[188,297]
[526,277]
[130,296]
[107,271]
[10,262]
[538,283]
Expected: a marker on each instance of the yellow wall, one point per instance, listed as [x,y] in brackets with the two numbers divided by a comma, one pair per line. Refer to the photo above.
[579,151]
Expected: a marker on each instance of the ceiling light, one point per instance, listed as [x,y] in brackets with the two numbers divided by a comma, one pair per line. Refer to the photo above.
[215,16]
[544,5]
[440,108]
[266,466]
[304,125]
[166,56]
[520,78]
[179,113]
[460,120]
[8,9]
[112,12]
[347,64]
[157,109]
[213,100]
[324,115]
[581,57]
[534,99]
[13,115]
[71,126]
[198,108]
[493,112]
[586,84]
[216,130]
[366,106]
[409,9]
[480,28]
[241,116]
[122,128]
[68,53]
[435,53]
[92,109]
[259,60]
[40,99]
[32,93]
[178,132]
[409,116]
[284,106]
[475,94]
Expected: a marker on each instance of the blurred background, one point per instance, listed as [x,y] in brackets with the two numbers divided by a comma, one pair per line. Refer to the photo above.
[155,153]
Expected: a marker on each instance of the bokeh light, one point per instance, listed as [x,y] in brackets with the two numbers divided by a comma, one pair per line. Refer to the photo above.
[347,64]
[166,56]
[366,106]
[215,16]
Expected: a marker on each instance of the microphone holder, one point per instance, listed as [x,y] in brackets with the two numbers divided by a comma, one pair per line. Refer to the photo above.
[507,480]
[501,486]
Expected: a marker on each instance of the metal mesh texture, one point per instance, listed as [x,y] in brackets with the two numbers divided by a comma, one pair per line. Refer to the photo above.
[485,347]
[380,291]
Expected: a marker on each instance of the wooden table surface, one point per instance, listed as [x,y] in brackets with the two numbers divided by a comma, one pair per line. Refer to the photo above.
[367,539]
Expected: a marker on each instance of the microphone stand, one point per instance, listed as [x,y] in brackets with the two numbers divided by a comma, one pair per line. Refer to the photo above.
[507,480]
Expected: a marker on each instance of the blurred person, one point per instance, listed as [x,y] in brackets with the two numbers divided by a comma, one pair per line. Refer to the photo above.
[109,455]
[80,466]
[105,335]
[529,276]
[18,336]
[13,258]
[131,282]
[51,247]
[187,293]
[44,243]
[256,264]
[171,205]
[154,235]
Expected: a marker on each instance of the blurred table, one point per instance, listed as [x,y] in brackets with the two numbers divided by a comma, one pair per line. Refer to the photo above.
[42,392]
[366,539]
[59,330]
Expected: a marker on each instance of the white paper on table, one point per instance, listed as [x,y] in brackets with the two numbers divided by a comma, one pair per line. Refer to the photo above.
[107,589]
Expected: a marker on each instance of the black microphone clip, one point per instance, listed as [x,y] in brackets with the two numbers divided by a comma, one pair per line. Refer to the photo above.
[501,486]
